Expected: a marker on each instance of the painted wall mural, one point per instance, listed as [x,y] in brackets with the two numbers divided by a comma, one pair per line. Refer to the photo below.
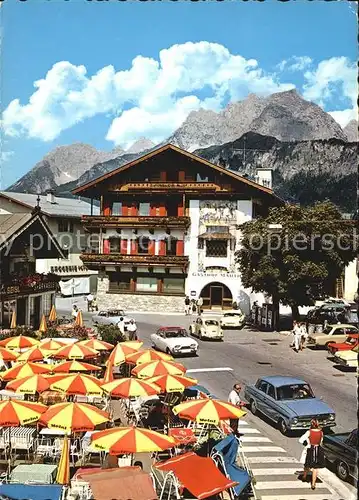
[215,211]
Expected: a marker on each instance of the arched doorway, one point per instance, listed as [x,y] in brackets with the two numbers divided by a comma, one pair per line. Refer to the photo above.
[216,295]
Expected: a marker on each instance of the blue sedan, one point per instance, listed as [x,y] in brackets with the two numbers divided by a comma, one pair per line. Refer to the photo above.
[289,403]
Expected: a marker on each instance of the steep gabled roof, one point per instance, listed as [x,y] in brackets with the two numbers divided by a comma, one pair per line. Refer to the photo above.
[62,207]
[191,156]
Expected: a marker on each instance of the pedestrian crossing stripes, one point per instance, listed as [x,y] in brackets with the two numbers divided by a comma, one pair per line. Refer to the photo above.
[277,475]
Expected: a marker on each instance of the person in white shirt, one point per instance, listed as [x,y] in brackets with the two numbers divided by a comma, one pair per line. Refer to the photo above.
[89,299]
[235,400]
[121,326]
[304,336]
[297,333]
[132,329]
[75,311]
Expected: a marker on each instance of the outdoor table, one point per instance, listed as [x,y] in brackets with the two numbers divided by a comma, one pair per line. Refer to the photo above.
[52,397]
[34,473]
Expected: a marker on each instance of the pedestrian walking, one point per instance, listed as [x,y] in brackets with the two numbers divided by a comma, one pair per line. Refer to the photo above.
[304,336]
[199,305]
[234,399]
[297,336]
[187,305]
[314,453]
[121,326]
[132,330]
[89,299]
[193,306]
[75,311]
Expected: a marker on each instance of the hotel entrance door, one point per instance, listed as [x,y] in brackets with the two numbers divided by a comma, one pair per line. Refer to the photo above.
[216,295]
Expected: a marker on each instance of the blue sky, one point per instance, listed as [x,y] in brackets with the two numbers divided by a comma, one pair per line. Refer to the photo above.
[237,48]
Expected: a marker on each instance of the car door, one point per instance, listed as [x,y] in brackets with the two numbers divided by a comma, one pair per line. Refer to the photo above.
[154,339]
[261,396]
[352,451]
[100,317]
[161,341]
[272,403]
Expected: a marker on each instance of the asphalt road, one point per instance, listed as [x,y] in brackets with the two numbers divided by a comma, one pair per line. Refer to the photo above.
[246,354]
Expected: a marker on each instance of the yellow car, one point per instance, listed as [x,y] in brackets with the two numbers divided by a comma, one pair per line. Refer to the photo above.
[347,358]
[331,333]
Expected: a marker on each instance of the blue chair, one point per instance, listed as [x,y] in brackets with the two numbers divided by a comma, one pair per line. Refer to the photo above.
[224,455]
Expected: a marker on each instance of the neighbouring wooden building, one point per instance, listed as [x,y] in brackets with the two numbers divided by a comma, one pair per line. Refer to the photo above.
[168,227]
[24,238]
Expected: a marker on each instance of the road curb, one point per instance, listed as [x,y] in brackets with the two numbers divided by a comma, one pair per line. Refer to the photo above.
[338,487]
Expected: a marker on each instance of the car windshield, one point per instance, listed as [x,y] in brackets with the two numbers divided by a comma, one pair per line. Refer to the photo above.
[295,391]
[351,340]
[173,334]
[327,330]
[211,322]
[116,312]
[231,315]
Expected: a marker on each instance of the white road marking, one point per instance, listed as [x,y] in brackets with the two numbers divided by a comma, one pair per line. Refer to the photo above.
[284,485]
[255,439]
[274,460]
[256,449]
[249,430]
[275,472]
[204,370]
[295,497]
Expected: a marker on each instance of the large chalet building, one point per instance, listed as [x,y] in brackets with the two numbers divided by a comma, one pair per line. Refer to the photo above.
[168,227]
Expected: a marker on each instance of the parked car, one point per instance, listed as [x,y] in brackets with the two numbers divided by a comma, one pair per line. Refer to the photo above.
[288,402]
[110,317]
[350,342]
[342,451]
[207,327]
[233,319]
[329,311]
[347,358]
[174,340]
[331,333]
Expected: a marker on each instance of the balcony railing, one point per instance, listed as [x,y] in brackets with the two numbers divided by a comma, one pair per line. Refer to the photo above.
[36,283]
[96,260]
[183,186]
[134,221]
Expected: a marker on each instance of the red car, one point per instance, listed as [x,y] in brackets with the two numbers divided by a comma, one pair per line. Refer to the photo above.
[351,342]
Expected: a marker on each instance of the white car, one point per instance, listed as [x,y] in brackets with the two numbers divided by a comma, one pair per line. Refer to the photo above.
[174,341]
[207,327]
[110,317]
[233,319]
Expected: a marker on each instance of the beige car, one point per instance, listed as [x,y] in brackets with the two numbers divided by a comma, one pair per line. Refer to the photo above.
[207,327]
[331,333]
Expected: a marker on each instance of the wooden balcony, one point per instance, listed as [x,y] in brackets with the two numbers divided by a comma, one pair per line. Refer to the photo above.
[134,221]
[96,260]
[165,187]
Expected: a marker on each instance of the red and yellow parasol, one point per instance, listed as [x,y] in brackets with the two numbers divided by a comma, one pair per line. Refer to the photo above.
[172,383]
[43,325]
[147,356]
[7,355]
[18,342]
[73,417]
[52,315]
[123,349]
[63,470]
[79,319]
[36,353]
[75,366]
[74,351]
[78,383]
[15,413]
[156,368]
[51,345]
[97,345]
[130,440]
[130,387]
[21,370]
[29,385]
[208,411]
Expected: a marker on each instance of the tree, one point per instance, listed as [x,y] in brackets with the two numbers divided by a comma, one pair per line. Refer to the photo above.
[296,253]
[110,333]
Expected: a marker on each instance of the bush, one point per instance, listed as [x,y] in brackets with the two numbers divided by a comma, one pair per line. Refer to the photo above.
[77,332]
[19,330]
[110,333]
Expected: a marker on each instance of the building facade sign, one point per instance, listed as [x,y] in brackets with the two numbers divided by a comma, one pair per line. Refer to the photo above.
[216,275]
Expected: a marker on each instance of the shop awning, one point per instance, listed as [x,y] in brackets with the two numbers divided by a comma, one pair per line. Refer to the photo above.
[198,475]
[217,236]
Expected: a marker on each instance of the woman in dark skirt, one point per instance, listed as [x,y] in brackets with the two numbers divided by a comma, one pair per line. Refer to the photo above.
[315,459]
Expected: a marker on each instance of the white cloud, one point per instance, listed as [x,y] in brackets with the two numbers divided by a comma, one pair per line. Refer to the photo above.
[333,76]
[151,98]
[5,156]
[295,63]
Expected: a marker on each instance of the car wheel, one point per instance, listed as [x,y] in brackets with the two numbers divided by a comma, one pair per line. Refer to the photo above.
[282,427]
[342,470]
[253,407]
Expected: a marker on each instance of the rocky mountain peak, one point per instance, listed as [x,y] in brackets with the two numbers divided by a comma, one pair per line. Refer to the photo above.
[142,144]
[351,131]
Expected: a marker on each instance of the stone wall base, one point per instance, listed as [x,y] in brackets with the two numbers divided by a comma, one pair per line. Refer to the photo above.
[137,302]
